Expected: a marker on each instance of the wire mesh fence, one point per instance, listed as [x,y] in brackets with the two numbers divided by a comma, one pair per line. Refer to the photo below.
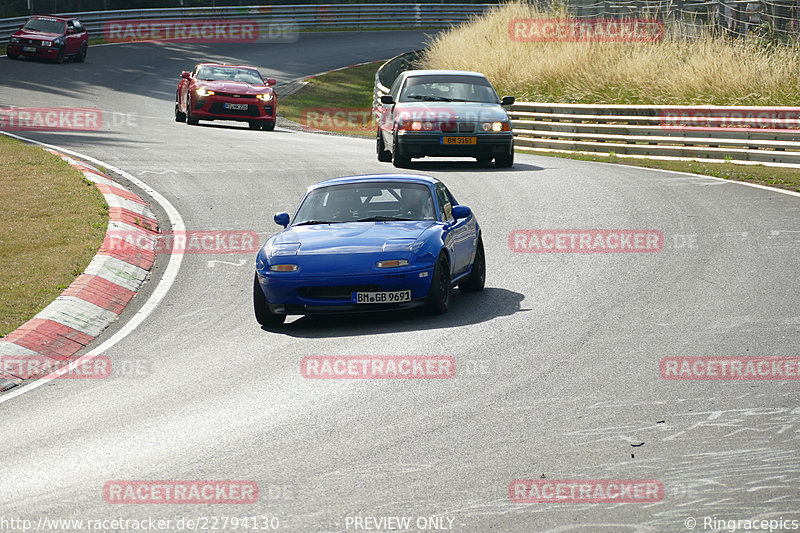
[735,18]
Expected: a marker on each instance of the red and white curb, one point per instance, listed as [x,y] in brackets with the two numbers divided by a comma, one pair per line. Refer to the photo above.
[98,296]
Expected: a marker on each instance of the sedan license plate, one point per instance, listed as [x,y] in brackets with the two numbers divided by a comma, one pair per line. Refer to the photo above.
[226,105]
[388,297]
[28,48]
[459,140]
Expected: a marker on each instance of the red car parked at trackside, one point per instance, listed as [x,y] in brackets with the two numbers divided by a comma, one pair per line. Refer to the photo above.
[215,91]
[50,37]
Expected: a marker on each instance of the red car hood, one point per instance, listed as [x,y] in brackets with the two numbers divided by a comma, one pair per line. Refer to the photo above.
[37,35]
[236,87]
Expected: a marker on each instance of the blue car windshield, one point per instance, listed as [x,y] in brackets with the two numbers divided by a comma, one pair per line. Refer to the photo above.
[366,202]
[45,25]
[448,88]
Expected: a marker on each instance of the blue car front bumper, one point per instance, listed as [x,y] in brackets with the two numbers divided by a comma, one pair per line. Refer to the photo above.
[292,294]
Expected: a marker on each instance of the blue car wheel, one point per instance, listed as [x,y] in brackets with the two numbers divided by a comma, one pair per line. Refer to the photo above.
[439,293]
[477,278]
[264,316]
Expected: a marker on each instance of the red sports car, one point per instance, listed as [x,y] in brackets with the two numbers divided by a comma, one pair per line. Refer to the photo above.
[226,92]
[50,37]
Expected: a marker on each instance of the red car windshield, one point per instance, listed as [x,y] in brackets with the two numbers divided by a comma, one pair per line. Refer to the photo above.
[45,25]
[245,75]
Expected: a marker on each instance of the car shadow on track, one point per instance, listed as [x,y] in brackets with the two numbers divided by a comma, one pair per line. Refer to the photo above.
[461,166]
[465,309]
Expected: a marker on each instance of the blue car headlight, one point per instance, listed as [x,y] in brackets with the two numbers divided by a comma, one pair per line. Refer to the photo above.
[392,263]
[284,267]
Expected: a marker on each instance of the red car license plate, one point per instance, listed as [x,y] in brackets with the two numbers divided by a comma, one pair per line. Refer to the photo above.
[235,106]
[28,48]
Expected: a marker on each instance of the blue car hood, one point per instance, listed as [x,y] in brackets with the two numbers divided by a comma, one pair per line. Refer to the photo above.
[348,238]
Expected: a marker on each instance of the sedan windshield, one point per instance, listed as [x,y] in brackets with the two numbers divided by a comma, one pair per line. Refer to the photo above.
[448,88]
[366,202]
[45,25]
[246,75]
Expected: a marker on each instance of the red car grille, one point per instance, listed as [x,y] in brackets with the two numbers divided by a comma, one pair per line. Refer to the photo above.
[218,109]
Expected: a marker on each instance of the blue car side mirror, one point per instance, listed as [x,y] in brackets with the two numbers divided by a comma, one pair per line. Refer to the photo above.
[461,211]
[282,219]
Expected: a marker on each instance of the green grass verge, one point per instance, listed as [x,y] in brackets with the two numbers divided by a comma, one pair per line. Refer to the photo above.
[51,225]
[347,92]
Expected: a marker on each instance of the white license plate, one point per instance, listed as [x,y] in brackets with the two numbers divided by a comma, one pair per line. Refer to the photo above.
[387,297]
[28,48]
[234,106]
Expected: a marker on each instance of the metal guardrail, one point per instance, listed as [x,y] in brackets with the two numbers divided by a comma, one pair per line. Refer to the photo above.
[301,16]
[705,132]
[388,72]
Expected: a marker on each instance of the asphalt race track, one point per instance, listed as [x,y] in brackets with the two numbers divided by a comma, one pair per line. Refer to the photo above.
[558,359]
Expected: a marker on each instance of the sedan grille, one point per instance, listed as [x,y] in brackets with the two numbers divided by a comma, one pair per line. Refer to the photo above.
[341,292]
[466,127]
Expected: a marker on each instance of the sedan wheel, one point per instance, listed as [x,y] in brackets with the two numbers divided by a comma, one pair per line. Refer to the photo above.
[504,161]
[60,55]
[398,160]
[384,155]
[268,126]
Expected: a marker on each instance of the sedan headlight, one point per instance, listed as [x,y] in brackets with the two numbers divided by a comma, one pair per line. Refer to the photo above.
[496,126]
[14,40]
[266,97]
[202,91]
[47,43]
[392,263]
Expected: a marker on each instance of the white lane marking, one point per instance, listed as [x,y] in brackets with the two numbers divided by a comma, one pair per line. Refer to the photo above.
[756,185]
[211,264]
[164,284]
[143,172]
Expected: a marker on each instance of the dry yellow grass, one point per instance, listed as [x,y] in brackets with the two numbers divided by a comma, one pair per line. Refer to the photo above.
[710,70]
[51,225]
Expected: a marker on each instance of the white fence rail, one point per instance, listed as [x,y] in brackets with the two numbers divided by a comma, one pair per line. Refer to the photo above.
[753,134]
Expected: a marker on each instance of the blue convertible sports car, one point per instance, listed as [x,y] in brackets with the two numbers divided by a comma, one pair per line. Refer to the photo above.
[366,243]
